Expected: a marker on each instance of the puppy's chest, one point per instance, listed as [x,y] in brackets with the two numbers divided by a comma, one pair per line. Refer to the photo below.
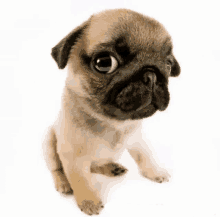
[105,144]
[107,136]
[110,136]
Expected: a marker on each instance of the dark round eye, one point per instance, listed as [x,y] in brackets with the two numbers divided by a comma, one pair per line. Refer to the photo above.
[106,64]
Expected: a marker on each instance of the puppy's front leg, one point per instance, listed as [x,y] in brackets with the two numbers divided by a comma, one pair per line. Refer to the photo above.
[147,164]
[79,176]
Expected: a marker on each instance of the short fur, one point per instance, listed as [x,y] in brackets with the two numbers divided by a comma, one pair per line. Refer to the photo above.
[101,113]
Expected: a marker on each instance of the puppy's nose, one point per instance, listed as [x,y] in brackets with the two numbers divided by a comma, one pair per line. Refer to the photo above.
[150,79]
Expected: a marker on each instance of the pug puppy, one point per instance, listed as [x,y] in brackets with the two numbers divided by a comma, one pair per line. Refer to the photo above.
[119,63]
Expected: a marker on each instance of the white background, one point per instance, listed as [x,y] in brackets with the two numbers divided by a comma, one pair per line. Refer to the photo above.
[185,137]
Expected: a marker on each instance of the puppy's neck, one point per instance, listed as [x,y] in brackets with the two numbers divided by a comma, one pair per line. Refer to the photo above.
[80,113]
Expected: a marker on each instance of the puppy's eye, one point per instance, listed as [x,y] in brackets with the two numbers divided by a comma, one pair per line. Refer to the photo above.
[169,65]
[106,64]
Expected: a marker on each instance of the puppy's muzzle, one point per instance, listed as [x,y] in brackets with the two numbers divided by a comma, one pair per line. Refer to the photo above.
[138,93]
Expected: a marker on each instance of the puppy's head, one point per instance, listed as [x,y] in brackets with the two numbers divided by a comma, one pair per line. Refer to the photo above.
[121,61]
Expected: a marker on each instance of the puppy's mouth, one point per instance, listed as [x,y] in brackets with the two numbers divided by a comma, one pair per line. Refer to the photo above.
[140,97]
[135,96]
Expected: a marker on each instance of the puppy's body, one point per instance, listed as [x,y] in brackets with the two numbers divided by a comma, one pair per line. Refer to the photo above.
[118,67]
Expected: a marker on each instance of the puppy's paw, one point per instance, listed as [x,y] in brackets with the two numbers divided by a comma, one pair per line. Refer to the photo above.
[89,207]
[61,183]
[158,176]
[110,169]
[118,171]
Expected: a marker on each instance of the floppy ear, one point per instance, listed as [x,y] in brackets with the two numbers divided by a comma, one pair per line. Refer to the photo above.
[175,70]
[61,51]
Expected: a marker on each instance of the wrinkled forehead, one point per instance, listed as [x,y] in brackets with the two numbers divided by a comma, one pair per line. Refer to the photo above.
[139,32]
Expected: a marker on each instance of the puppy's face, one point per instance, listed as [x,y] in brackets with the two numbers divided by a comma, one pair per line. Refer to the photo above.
[121,61]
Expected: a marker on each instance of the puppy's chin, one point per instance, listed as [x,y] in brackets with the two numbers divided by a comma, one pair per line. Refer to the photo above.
[117,113]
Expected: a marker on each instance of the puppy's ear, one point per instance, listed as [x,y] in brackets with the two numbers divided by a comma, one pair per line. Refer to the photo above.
[175,70]
[61,51]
